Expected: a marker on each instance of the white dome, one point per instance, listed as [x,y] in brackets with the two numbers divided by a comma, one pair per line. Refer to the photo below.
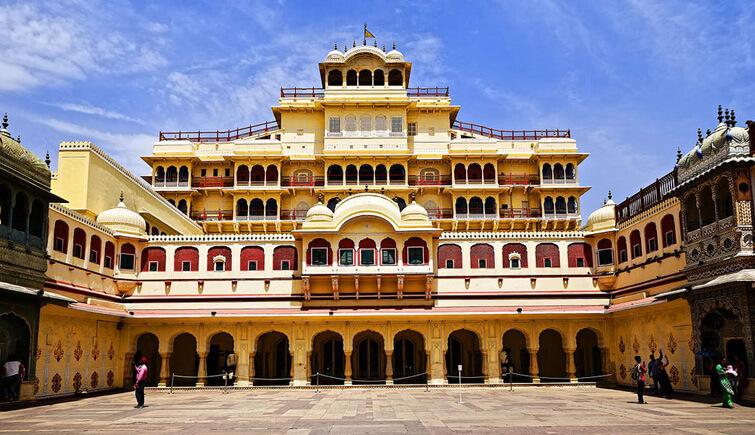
[335,55]
[123,221]
[603,218]
[414,212]
[319,212]
[395,55]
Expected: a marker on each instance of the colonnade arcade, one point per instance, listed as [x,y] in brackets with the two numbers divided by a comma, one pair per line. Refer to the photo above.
[343,354]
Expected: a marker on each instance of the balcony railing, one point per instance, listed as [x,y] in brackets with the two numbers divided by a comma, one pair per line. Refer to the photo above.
[440,213]
[518,180]
[560,215]
[220,136]
[293,215]
[302,92]
[211,182]
[171,183]
[519,213]
[298,181]
[257,183]
[509,134]
[647,197]
[427,92]
[437,180]
[476,216]
[568,180]
[358,182]
[489,181]
[212,215]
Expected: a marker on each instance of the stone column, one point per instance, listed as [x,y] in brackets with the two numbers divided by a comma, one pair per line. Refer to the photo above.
[202,371]
[534,371]
[164,370]
[245,370]
[571,368]
[347,368]
[389,367]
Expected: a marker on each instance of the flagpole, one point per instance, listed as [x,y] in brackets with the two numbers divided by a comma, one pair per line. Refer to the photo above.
[364,35]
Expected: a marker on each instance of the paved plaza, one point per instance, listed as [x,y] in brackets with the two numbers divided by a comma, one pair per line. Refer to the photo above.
[525,410]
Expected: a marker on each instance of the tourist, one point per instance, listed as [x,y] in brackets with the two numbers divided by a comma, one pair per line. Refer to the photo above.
[140,381]
[638,375]
[653,372]
[663,378]
[724,379]
[13,374]
[741,369]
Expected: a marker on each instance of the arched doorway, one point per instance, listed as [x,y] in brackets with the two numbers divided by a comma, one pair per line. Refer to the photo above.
[587,358]
[464,350]
[149,345]
[551,359]
[184,360]
[328,358]
[515,351]
[720,337]
[368,358]
[221,345]
[272,360]
[15,340]
[409,358]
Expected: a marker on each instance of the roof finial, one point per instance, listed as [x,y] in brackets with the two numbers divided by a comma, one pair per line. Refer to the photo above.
[678,154]
[374,43]
[47,159]
[18,138]
[610,195]
[383,48]
[733,118]
[335,46]
[121,197]
[394,45]
[5,121]
[707,132]
[720,114]
[700,135]
[726,116]
[354,43]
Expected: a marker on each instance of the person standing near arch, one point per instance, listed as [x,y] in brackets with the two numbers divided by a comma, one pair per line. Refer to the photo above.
[13,373]
[638,375]
[141,381]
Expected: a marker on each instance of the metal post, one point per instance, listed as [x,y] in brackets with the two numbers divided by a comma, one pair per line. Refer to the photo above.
[511,380]
[225,382]
[172,379]
[460,400]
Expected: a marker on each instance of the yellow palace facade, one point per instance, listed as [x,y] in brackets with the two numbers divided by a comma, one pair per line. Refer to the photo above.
[367,235]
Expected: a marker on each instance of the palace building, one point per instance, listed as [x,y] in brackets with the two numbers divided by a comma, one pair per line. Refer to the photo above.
[367,235]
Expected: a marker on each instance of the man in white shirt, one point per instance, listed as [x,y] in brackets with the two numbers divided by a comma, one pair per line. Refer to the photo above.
[13,371]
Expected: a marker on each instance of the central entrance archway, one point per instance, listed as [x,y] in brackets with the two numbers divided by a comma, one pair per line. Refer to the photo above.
[272,361]
[721,337]
[368,358]
[328,358]
[184,360]
[409,358]
[221,346]
[464,350]
[551,359]
[515,356]
[148,345]
[587,358]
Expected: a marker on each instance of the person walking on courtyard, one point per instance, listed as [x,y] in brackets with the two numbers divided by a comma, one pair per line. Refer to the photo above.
[13,373]
[638,375]
[653,372]
[726,386]
[663,378]
[140,381]
[741,369]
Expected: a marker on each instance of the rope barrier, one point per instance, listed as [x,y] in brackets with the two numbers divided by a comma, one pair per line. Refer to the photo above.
[370,380]
[557,378]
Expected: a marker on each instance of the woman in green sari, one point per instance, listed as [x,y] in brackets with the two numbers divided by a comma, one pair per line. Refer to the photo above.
[726,387]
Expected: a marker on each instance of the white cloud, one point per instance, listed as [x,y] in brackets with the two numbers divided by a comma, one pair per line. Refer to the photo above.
[88,109]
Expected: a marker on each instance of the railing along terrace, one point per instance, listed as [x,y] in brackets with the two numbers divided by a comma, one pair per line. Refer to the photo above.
[293,215]
[212,215]
[509,134]
[171,183]
[440,213]
[220,136]
[302,92]
[646,198]
[298,181]
[427,92]
[518,180]
[517,213]
[439,180]
[210,182]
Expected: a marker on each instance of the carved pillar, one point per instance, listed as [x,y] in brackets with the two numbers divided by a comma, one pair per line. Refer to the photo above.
[571,369]
[534,371]
[164,369]
[699,211]
[202,370]
[245,369]
[389,367]
[347,368]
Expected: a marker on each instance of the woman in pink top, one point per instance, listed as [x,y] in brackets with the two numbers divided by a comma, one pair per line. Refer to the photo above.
[141,381]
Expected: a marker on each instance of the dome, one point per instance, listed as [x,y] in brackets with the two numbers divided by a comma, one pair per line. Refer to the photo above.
[319,212]
[335,55]
[414,212]
[123,221]
[395,55]
[603,218]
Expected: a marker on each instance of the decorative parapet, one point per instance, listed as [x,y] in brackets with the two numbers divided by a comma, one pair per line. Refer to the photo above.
[518,235]
[657,208]
[80,218]
[206,238]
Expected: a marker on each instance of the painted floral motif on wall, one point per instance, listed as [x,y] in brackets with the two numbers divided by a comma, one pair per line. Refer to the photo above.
[110,378]
[77,382]
[36,385]
[693,377]
[674,375]
[622,371]
[622,346]
[38,353]
[94,380]
[111,351]
[58,352]
[691,344]
[95,351]
[652,345]
[56,383]
[672,344]
[78,352]
[636,345]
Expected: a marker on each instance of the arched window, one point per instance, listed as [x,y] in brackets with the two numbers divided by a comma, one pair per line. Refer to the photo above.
[301,210]
[127,258]
[460,173]
[429,176]
[271,208]
[365,125]
[172,202]
[461,207]
[95,249]
[570,175]
[351,78]
[319,253]
[635,243]
[6,207]
[514,256]
[723,199]
[109,257]
[668,229]
[183,176]
[449,256]
[692,215]
[257,175]
[381,124]
[475,206]
[482,256]
[60,237]
[571,205]
[605,252]
[183,206]
[242,209]
[415,252]
[621,246]
[547,255]
[153,260]
[20,212]
[489,206]
[285,258]
[400,202]
[474,173]
[219,259]
[381,174]
[365,77]
[352,174]
[547,172]
[367,252]
[256,208]
[186,259]
[242,174]
[378,77]
[350,124]
[37,219]
[366,176]
[271,175]
[651,238]
[335,78]
[160,175]
[560,205]
[252,258]
[155,231]
[707,207]
[558,172]
[388,252]
[548,207]
[333,202]
[303,177]
[488,173]
[171,175]
[79,243]
[335,174]
[579,255]
[396,174]
[395,78]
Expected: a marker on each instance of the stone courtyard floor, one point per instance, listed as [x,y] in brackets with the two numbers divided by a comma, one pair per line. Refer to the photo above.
[525,410]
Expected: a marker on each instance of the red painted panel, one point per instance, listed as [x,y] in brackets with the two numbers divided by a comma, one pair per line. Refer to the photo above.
[282,253]
[449,252]
[153,254]
[186,253]
[512,248]
[547,250]
[482,251]
[252,253]
[61,231]
[214,252]
[579,250]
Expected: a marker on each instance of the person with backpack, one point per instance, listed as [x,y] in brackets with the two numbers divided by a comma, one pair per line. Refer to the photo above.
[638,375]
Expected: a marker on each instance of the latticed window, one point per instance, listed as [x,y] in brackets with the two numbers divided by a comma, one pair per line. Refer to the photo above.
[334,125]
[351,123]
[397,124]
[412,129]
[380,123]
[365,124]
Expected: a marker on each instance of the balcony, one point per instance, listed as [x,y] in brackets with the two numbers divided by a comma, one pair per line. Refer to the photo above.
[558,181]
[518,180]
[560,215]
[436,180]
[427,92]
[358,182]
[293,215]
[476,182]
[171,183]
[519,213]
[212,215]
[220,136]
[240,184]
[314,93]
[440,213]
[211,182]
[300,181]
[647,197]
[509,134]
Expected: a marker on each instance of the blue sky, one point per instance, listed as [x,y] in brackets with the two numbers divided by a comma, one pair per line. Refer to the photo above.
[633,80]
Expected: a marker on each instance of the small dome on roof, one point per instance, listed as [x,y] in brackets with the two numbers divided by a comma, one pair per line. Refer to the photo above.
[335,55]
[395,56]
[122,221]
[414,212]
[603,218]
[319,212]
